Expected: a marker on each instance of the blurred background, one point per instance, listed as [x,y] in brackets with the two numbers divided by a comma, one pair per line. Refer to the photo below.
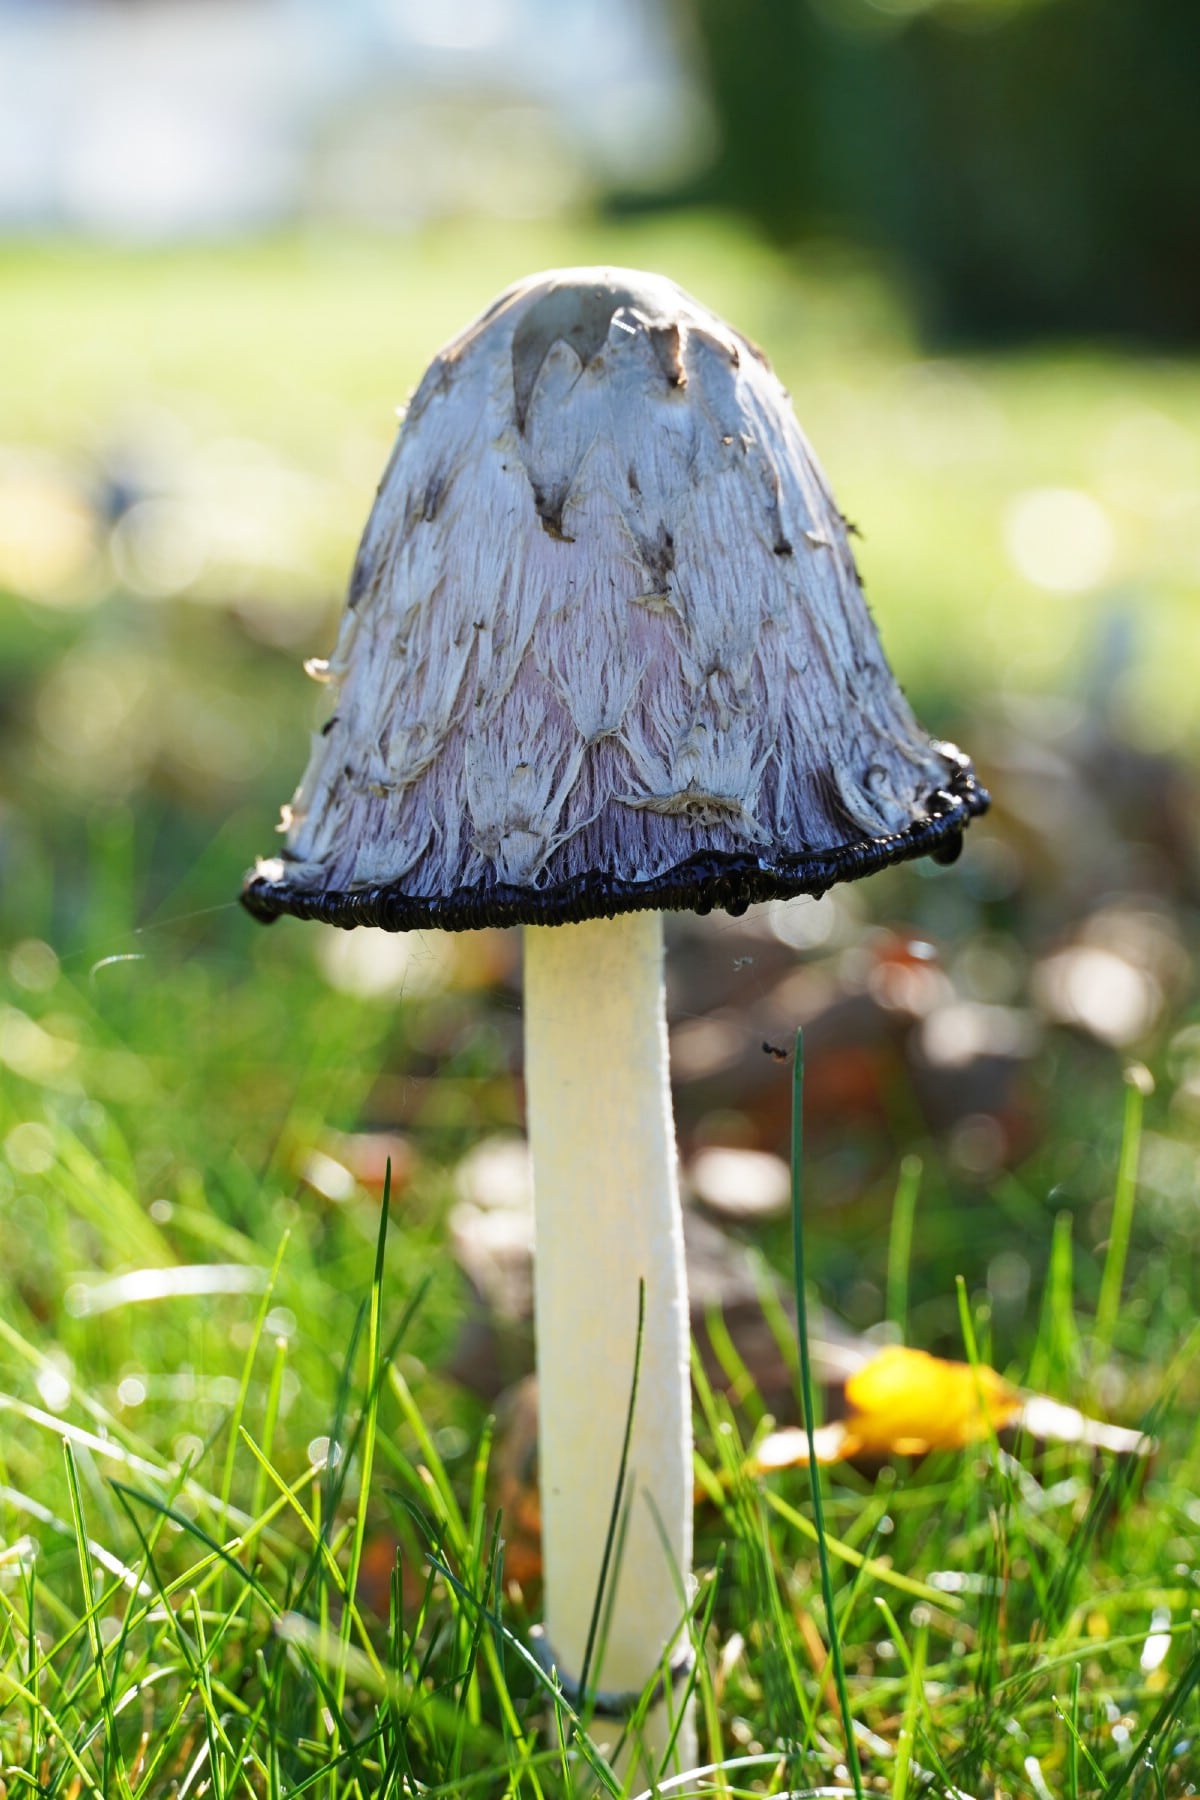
[967,232]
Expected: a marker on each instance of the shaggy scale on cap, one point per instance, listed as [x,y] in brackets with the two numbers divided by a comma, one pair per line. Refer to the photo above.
[605,647]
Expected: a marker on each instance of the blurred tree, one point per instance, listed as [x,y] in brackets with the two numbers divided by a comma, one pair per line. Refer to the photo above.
[1033,164]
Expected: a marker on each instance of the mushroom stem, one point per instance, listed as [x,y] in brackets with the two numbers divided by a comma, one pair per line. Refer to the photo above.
[607,1214]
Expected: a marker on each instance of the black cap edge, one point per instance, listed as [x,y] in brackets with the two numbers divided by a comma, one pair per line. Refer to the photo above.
[711,880]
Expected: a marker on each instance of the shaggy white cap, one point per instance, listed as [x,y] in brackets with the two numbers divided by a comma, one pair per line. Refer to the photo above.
[605,645]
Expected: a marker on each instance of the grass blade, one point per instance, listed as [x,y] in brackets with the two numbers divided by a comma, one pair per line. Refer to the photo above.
[1137,1085]
[618,1502]
[809,1392]
[900,1242]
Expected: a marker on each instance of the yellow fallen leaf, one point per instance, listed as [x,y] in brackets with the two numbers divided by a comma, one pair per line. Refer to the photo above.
[901,1403]
[906,1402]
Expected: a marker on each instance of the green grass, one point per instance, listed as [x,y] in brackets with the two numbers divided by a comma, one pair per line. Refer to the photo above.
[248,1536]
[247,1543]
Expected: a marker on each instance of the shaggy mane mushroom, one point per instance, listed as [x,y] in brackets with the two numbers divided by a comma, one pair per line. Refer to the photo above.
[605,654]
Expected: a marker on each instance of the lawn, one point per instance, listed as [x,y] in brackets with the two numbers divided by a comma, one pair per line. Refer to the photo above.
[249,1541]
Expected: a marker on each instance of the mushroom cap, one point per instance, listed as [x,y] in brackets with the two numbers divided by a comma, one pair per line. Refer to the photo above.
[605,646]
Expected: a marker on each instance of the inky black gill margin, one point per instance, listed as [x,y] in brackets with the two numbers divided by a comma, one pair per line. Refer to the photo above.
[711,880]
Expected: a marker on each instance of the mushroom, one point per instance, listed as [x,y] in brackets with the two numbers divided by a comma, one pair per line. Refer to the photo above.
[605,654]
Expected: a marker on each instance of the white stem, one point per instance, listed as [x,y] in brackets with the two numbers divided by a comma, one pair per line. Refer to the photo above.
[607,1206]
